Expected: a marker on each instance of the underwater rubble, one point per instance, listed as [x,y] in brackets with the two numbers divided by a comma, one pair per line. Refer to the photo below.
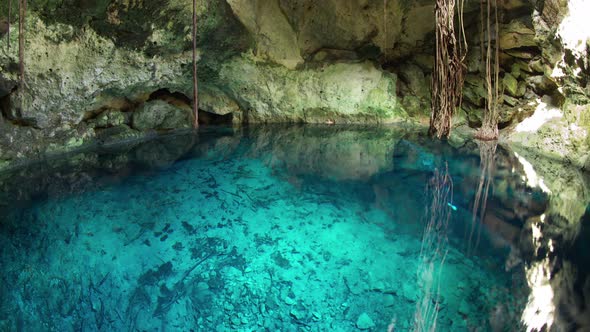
[233,236]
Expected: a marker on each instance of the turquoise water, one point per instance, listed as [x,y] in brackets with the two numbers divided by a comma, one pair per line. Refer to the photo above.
[287,229]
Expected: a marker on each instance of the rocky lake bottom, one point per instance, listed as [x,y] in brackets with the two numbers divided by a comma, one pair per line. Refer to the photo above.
[279,230]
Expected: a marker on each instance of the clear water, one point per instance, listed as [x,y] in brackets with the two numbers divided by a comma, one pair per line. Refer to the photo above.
[291,229]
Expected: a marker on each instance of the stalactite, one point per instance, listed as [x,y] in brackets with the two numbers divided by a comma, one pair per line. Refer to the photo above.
[489,126]
[195,81]
[447,76]
[22,10]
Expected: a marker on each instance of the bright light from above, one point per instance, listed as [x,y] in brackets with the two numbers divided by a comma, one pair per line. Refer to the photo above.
[574,29]
[542,114]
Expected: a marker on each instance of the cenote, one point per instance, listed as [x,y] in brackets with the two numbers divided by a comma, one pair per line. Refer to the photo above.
[294,165]
[293,228]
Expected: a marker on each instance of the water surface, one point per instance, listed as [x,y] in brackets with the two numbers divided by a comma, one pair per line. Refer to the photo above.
[294,229]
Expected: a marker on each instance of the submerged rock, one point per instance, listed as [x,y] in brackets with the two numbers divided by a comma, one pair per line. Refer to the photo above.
[388,300]
[364,322]
[290,301]
[464,307]
[297,314]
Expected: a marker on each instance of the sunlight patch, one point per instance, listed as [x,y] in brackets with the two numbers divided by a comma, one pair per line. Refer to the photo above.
[574,32]
[574,29]
[542,115]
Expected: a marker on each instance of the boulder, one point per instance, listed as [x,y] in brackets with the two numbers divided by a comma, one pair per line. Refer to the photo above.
[160,115]
[515,70]
[214,100]
[542,84]
[474,90]
[537,66]
[516,35]
[510,101]
[521,90]
[108,118]
[523,67]
[336,93]
[510,84]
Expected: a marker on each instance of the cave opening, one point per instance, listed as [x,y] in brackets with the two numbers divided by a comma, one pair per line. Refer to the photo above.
[170,96]
[209,118]
[181,100]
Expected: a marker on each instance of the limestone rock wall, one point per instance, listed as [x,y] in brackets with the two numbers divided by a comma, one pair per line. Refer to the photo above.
[559,128]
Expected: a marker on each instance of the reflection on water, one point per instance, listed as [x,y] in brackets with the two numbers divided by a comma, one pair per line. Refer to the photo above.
[439,194]
[539,311]
[487,155]
[295,228]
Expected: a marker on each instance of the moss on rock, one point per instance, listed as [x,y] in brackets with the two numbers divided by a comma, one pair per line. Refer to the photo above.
[160,115]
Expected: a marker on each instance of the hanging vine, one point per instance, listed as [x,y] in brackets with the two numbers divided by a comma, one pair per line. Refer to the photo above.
[195,81]
[385,29]
[448,72]
[22,10]
[491,59]
[8,24]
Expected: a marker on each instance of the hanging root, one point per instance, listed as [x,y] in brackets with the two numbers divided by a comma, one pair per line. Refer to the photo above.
[22,10]
[385,29]
[447,76]
[489,126]
[8,24]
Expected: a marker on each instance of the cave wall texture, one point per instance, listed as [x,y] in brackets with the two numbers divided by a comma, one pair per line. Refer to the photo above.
[109,70]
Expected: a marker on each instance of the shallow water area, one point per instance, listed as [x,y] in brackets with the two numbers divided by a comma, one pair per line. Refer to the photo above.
[302,228]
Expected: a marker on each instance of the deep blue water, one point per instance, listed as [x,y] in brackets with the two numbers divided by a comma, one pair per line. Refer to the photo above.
[293,229]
